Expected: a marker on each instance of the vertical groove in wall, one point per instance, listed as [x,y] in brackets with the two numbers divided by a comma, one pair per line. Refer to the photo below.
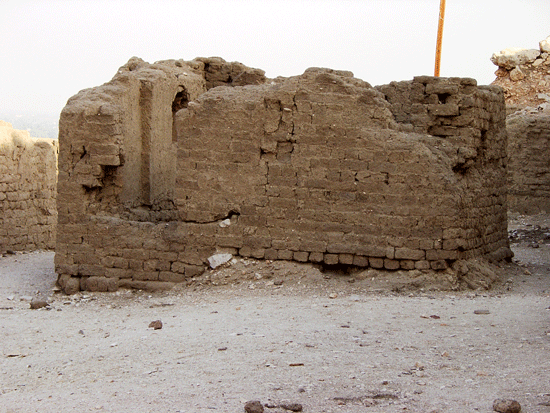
[145,107]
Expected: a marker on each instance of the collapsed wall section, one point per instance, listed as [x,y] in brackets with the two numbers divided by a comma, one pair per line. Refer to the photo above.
[28,176]
[316,168]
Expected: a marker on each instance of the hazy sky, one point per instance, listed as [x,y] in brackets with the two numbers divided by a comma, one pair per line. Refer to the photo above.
[52,49]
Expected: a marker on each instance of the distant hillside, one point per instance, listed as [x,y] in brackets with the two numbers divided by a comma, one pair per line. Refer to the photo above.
[39,126]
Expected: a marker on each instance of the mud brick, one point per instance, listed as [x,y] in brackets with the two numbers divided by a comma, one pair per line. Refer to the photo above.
[330,259]
[341,248]
[170,276]
[371,250]
[301,256]
[409,254]
[360,261]
[118,273]
[448,109]
[346,259]
[442,88]
[145,275]
[271,254]
[407,265]
[391,264]
[313,246]
[422,265]
[376,262]
[193,270]
[135,265]
[245,251]
[316,257]
[257,253]
[91,270]
[450,244]
[285,254]
[438,265]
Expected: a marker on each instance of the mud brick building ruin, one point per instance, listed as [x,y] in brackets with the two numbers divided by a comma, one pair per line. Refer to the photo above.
[172,162]
[28,178]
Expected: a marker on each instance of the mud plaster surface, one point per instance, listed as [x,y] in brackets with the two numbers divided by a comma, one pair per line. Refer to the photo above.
[368,349]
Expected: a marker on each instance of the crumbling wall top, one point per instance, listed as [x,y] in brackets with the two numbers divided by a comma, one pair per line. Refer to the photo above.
[524,74]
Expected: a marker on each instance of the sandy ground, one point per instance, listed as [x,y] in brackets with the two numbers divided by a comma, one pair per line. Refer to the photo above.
[280,333]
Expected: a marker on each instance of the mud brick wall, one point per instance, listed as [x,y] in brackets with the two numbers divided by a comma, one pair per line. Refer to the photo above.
[316,168]
[529,161]
[28,176]
[470,121]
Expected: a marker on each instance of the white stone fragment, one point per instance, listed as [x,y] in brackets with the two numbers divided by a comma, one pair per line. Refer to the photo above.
[225,223]
[516,74]
[545,45]
[513,57]
[218,259]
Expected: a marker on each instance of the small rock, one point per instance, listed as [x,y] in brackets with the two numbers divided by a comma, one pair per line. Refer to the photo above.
[293,407]
[506,406]
[36,304]
[482,312]
[218,259]
[10,297]
[516,74]
[333,295]
[278,282]
[157,324]
[253,406]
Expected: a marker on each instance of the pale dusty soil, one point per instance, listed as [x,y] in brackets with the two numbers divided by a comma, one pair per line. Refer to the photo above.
[367,349]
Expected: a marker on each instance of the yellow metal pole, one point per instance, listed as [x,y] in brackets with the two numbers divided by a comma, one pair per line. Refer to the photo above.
[439,37]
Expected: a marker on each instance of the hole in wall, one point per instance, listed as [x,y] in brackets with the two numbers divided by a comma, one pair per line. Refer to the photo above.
[443,97]
[460,168]
[181,100]
[338,269]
